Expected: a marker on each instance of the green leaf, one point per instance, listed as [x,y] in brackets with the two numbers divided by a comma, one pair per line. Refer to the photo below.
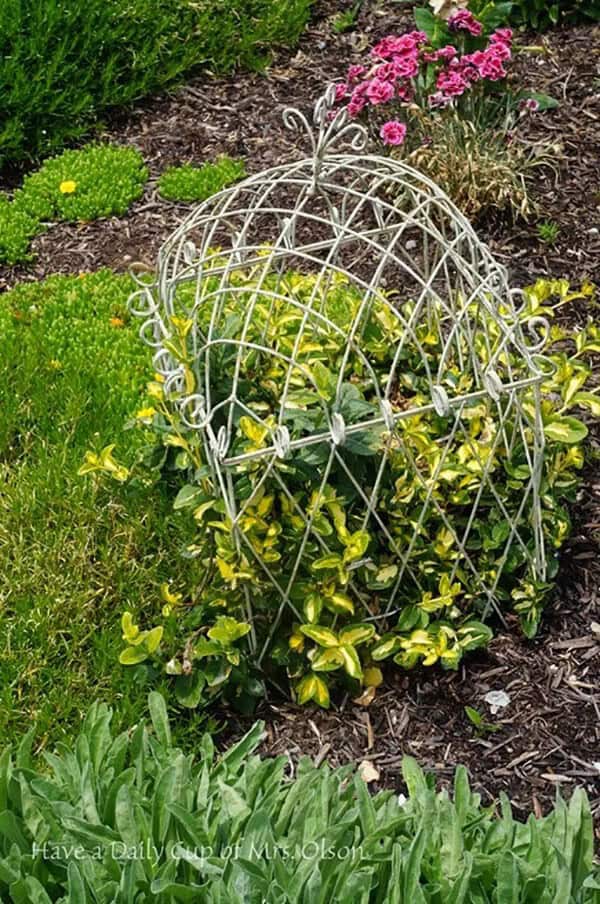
[387,646]
[474,716]
[425,21]
[473,635]
[508,883]
[133,655]
[160,719]
[351,661]
[227,630]
[331,561]
[566,430]
[312,687]
[356,634]
[35,892]
[77,894]
[323,636]
[188,689]
[189,496]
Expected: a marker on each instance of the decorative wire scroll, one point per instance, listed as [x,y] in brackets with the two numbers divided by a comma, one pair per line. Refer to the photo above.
[382,225]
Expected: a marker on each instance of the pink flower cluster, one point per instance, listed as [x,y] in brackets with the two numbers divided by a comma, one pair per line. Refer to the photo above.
[463,20]
[461,72]
[397,62]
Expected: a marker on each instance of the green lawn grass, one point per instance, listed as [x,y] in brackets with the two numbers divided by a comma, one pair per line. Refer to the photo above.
[74,552]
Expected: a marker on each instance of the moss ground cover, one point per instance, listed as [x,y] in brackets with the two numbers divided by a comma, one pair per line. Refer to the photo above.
[86,184]
[196,183]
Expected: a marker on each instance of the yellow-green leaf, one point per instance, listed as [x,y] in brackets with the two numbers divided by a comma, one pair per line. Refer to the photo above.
[312,607]
[227,630]
[130,631]
[588,400]
[327,660]
[332,561]
[566,430]
[312,687]
[356,545]
[356,634]
[341,603]
[133,655]
[351,661]
[153,638]
[323,636]
[384,648]
[372,676]
[253,431]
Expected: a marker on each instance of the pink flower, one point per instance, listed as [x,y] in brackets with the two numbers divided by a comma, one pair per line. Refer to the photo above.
[463,20]
[355,73]
[394,45]
[444,53]
[529,105]
[406,67]
[438,100]
[341,91]
[500,50]
[470,74]
[502,35]
[379,92]
[405,93]
[476,59]
[452,84]
[383,49]
[492,68]
[393,132]
[487,63]
[358,101]
[387,72]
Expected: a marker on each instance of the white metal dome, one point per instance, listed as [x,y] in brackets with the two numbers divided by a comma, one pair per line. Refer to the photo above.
[382,227]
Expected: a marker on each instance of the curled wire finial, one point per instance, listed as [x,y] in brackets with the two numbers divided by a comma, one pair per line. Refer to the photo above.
[328,129]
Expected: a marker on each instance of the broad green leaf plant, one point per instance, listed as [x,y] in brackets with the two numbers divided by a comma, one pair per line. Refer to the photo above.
[116,819]
[326,636]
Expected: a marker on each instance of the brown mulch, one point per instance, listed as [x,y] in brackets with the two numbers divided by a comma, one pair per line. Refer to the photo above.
[546,740]
[548,737]
[241,116]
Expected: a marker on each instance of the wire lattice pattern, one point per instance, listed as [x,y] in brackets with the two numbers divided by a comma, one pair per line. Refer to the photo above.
[412,261]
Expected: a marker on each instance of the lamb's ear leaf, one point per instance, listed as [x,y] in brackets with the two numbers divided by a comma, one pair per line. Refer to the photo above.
[159,717]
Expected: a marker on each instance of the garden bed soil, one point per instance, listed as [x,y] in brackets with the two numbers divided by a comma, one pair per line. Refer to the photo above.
[548,736]
[546,740]
[242,116]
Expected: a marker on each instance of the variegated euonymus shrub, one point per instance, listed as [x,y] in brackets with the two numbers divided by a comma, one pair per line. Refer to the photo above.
[130,818]
[327,634]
